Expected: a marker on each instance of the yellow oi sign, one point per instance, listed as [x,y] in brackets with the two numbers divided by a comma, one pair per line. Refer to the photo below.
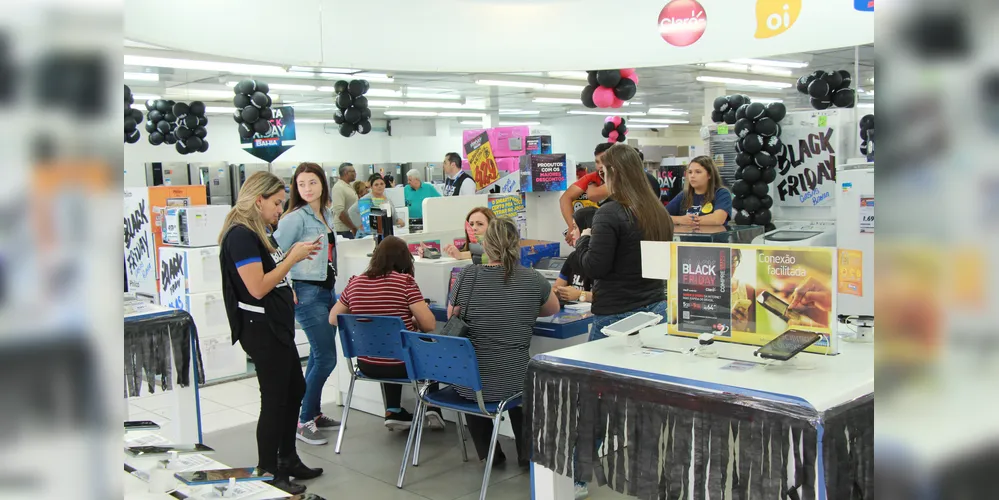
[774,17]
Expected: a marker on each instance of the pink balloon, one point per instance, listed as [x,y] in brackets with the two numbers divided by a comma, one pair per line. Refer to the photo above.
[627,72]
[616,120]
[617,103]
[612,137]
[608,119]
[603,97]
[633,77]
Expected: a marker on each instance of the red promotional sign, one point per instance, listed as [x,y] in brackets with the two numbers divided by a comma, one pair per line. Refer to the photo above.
[682,22]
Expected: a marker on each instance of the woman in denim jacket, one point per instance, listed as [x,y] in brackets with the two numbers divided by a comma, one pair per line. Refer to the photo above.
[309,218]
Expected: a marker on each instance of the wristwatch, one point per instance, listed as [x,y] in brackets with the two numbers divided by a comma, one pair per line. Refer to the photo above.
[582,296]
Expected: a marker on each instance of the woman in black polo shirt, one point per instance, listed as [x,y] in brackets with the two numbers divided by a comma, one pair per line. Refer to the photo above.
[260,305]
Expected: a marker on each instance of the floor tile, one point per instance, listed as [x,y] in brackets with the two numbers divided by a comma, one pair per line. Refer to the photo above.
[228,418]
[231,394]
[156,401]
[208,406]
[251,381]
[250,409]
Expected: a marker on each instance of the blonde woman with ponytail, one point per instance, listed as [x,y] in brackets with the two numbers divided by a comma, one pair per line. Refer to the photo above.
[502,300]
[260,306]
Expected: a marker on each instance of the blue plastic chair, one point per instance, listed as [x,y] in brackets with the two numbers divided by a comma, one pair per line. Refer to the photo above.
[449,360]
[375,336]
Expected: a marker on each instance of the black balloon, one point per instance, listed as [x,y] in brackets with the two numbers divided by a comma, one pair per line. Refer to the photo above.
[743,159]
[738,202]
[250,114]
[183,133]
[338,117]
[344,100]
[766,202]
[591,78]
[818,88]
[776,111]
[181,148]
[760,188]
[764,159]
[622,130]
[844,98]
[762,217]
[201,132]
[191,121]
[834,79]
[361,103]
[170,117]
[266,113]
[245,130]
[170,138]
[817,75]
[773,145]
[740,112]
[150,105]
[752,144]
[163,106]
[352,115]
[769,175]
[586,96]
[259,99]
[751,203]
[262,127]
[364,127]
[625,89]
[340,86]
[845,76]
[197,108]
[738,173]
[366,112]
[740,188]
[730,116]
[154,116]
[269,101]
[181,109]
[155,138]
[721,104]
[609,77]
[820,103]
[237,116]
[347,129]
[356,88]
[150,126]
[204,147]
[133,137]
[743,126]
[263,87]
[735,101]
[241,101]
[742,218]
[193,143]
[864,148]
[751,174]
[802,84]
[766,127]
[717,116]
[163,127]
[136,115]
[866,122]
[755,111]
[129,125]
[245,87]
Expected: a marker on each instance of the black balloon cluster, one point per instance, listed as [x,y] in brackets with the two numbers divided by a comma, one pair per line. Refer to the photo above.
[759,152]
[253,108]
[352,114]
[133,118]
[160,121]
[609,88]
[614,129]
[191,132]
[867,134]
[826,89]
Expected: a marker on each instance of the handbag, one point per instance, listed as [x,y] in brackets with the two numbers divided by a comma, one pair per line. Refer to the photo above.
[456,325]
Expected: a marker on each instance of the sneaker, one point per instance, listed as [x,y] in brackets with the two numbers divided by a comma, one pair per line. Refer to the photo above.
[325,422]
[398,421]
[309,433]
[433,419]
[582,492]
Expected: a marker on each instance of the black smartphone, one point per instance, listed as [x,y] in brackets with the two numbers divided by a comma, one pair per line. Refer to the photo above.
[788,344]
[141,425]
[222,476]
[157,451]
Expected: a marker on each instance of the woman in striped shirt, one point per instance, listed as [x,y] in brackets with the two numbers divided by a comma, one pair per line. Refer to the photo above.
[503,299]
[388,288]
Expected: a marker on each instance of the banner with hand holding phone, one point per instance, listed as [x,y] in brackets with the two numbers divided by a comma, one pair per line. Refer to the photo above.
[751,294]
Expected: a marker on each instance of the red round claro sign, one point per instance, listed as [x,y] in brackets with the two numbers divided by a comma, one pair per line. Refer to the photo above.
[682,22]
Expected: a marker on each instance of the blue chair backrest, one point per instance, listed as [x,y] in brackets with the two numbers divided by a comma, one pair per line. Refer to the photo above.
[450,360]
[376,336]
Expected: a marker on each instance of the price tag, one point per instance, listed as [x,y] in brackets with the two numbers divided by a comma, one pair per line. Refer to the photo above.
[867,214]
[823,120]
[722,129]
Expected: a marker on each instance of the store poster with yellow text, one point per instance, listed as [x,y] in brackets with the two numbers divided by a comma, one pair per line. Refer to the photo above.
[482,161]
[750,294]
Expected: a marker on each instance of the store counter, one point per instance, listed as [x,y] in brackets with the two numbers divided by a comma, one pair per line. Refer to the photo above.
[823,417]
[565,324]
[717,234]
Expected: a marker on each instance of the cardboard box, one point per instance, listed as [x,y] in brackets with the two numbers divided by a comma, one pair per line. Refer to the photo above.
[503,141]
[197,226]
[188,270]
[539,145]
[532,251]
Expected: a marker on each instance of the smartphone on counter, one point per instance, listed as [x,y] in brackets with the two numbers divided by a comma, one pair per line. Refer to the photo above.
[788,344]
[222,476]
[159,451]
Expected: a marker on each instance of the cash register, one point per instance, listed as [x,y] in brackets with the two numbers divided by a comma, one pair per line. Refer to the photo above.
[550,267]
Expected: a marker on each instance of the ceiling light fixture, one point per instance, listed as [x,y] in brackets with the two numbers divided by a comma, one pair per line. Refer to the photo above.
[218,110]
[519,112]
[667,112]
[306,69]
[645,125]
[458,114]
[369,94]
[556,100]
[506,83]
[746,68]
[502,123]
[428,95]
[765,100]
[312,120]
[145,97]
[744,82]
[216,66]
[653,120]
[569,75]
[773,63]
[559,87]
[282,86]
[142,77]
[411,113]
[186,93]
[605,113]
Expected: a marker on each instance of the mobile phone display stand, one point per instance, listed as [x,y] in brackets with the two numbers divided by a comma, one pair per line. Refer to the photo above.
[706,351]
[860,329]
[226,490]
[795,363]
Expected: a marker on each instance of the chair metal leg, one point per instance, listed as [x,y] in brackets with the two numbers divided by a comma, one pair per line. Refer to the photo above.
[492,453]
[346,414]
[421,415]
[461,437]
[409,447]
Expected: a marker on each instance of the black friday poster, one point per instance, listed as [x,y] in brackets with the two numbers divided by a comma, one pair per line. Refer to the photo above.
[704,279]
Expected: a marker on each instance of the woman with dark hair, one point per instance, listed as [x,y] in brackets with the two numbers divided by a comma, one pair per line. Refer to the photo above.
[476,223]
[309,219]
[388,288]
[259,304]
[377,199]
[704,201]
[501,336]
[610,252]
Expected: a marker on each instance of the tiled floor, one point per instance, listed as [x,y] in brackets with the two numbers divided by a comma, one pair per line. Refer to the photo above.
[369,463]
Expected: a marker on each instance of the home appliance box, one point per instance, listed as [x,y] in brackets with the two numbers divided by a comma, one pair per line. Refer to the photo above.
[505,142]
[197,226]
[539,145]
[186,271]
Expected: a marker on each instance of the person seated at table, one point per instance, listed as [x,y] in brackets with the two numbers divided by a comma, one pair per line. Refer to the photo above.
[571,284]
[503,300]
[705,201]
[378,200]
[388,288]
[477,220]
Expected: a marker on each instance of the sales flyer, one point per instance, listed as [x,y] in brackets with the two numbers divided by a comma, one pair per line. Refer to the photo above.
[482,161]
[543,173]
[750,294]
[851,272]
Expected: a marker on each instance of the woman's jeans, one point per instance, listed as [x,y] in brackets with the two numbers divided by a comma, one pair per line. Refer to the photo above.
[599,322]
[313,313]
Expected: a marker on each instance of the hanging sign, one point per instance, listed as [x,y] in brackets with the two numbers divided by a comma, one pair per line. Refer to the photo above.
[809,178]
[281,137]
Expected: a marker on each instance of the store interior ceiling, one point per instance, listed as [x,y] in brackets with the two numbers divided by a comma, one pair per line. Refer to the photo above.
[667,94]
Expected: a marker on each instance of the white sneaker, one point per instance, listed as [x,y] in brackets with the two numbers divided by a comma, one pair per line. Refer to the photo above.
[434,420]
[309,433]
[582,492]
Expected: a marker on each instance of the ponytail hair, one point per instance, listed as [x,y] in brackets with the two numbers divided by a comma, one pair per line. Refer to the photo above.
[502,244]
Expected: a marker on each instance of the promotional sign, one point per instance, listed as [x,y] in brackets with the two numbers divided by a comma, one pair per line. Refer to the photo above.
[812,141]
[140,249]
[774,17]
[867,213]
[851,272]
[511,207]
[482,161]
[364,209]
[750,294]
[281,137]
[543,173]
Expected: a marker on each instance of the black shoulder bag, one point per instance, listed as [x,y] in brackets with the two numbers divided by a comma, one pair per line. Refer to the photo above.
[456,325]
